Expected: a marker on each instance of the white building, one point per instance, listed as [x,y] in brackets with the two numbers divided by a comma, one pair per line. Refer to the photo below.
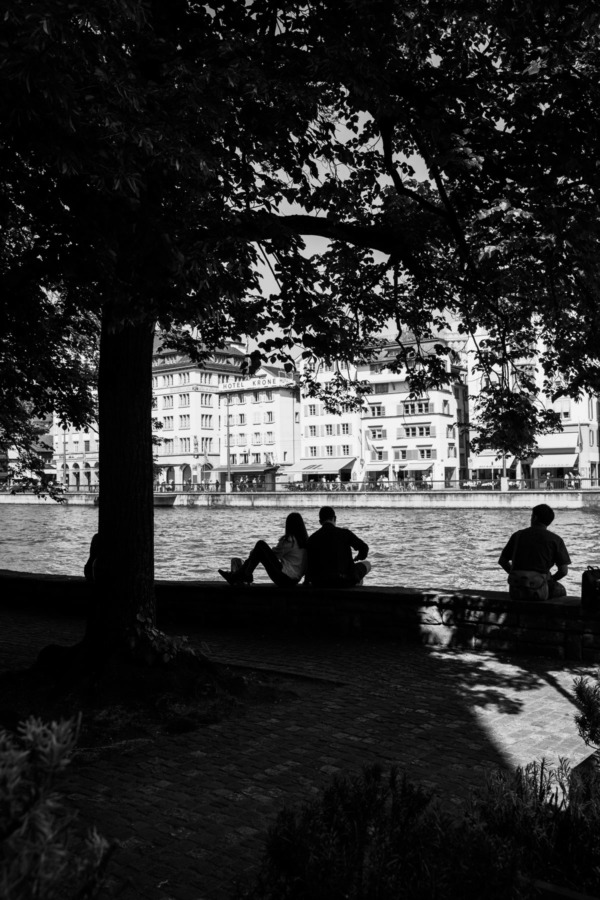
[400,440]
[187,415]
[259,427]
[75,457]
[565,458]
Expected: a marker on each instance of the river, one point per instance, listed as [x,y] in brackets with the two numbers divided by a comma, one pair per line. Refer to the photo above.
[415,548]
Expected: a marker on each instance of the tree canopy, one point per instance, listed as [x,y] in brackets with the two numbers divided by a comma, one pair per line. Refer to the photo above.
[154,152]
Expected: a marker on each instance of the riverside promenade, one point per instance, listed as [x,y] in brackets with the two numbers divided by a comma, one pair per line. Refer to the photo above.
[189,812]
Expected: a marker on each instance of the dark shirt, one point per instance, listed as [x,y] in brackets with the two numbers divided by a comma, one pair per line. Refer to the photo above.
[330,561]
[537,550]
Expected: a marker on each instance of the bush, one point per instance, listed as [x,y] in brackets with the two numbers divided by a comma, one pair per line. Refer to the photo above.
[43,855]
[383,838]
[378,838]
[586,694]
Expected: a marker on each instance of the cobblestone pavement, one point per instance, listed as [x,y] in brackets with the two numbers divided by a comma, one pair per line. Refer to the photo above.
[190,811]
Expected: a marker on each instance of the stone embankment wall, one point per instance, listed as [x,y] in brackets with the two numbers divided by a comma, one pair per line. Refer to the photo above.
[589,499]
[477,620]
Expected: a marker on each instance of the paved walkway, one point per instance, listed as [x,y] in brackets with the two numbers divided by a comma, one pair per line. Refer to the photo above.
[190,811]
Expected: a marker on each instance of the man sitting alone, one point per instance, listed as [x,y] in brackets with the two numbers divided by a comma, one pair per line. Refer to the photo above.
[330,561]
[537,550]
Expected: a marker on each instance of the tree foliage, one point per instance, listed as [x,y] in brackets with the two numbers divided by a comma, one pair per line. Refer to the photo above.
[155,153]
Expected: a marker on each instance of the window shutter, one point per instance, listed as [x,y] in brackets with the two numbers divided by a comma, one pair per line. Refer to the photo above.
[432,431]
[412,454]
[384,434]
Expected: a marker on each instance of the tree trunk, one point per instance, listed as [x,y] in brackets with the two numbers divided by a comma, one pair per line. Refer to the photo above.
[125,605]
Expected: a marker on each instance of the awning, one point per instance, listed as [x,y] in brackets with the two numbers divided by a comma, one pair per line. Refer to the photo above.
[419,466]
[555,461]
[489,461]
[562,440]
[329,466]
[377,467]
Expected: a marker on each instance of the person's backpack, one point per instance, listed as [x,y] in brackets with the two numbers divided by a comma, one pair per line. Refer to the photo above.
[528,585]
[590,587]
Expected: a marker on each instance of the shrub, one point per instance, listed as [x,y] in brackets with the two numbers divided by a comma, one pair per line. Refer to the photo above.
[378,838]
[587,697]
[383,838]
[43,854]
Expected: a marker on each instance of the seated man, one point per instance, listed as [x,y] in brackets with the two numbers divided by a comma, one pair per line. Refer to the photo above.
[534,551]
[330,562]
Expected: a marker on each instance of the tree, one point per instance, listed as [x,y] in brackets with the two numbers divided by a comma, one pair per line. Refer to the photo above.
[153,150]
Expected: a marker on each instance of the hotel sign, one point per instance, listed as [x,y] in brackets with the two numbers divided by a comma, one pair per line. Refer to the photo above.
[262,381]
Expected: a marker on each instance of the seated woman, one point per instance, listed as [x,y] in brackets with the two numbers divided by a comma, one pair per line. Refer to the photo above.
[285,563]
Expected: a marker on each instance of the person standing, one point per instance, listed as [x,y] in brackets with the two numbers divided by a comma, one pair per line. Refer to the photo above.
[536,550]
[330,561]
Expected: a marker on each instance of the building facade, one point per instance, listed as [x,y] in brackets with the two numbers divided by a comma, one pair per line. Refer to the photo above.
[259,427]
[186,415]
[395,439]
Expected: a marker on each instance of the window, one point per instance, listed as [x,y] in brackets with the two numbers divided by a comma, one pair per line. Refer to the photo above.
[345,449]
[376,411]
[206,399]
[184,421]
[184,378]
[244,458]
[168,422]
[185,445]
[255,397]
[445,407]
[426,453]
[242,419]
[451,451]
[269,438]
[256,438]
[256,420]
[168,445]
[563,407]
[417,407]
[268,395]
[205,378]
[378,434]
[86,445]
[591,438]
[312,409]
[329,450]
[256,458]
[268,416]
[312,430]
[381,388]
[168,401]
[399,453]
[449,431]
[184,399]
[312,451]
[241,439]
[329,430]
[167,380]
[206,421]
[206,444]
[345,428]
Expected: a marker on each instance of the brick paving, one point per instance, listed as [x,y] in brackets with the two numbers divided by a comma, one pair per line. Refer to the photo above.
[189,812]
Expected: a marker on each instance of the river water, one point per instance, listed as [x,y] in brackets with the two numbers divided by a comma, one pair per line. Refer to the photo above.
[414,548]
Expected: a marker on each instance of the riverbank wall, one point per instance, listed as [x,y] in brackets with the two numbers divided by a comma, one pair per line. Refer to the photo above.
[557,499]
[476,620]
